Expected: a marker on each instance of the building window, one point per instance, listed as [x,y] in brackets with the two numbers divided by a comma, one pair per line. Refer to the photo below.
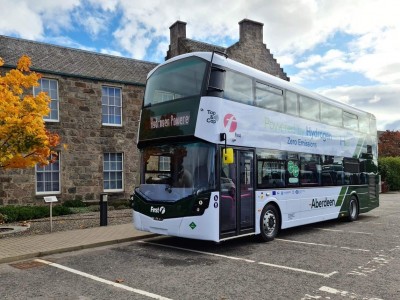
[164,163]
[49,86]
[48,177]
[113,171]
[111,103]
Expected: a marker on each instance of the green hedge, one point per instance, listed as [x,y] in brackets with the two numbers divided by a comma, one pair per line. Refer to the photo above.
[25,213]
[74,203]
[389,168]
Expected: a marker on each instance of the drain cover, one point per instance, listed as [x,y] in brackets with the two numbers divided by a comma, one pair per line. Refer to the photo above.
[27,265]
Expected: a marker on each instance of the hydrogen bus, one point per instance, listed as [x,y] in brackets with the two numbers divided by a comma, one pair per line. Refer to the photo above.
[227,151]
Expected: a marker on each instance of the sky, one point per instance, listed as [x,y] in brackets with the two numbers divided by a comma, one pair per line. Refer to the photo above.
[346,50]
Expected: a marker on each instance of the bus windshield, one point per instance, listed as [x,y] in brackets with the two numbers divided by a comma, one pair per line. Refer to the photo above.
[172,172]
[175,80]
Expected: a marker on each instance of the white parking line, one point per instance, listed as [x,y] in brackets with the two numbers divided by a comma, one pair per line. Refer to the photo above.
[118,285]
[201,252]
[322,245]
[299,270]
[306,243]
[346,294]
[344,231]
[243,259]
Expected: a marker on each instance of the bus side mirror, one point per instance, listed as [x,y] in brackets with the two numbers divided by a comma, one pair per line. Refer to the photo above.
[227,156]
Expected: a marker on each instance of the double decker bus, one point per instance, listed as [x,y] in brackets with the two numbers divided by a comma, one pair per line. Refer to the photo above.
[227,151]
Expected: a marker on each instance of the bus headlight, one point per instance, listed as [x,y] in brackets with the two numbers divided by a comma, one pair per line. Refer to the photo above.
[200,204]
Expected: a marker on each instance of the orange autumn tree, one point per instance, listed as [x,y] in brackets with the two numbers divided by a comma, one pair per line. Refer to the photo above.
[24,140]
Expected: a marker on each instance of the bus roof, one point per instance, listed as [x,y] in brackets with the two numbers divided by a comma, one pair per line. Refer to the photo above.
[264,77]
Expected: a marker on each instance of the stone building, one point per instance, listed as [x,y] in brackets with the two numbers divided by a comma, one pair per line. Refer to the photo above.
[249,50]
[96,100]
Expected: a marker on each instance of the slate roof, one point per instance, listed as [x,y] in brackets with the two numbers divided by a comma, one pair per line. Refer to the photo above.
[195,46]
[48,58]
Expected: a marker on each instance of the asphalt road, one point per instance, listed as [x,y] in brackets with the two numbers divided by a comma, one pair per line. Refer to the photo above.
[329,260]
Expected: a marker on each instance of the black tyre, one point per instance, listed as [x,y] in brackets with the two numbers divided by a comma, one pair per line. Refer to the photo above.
[353,209]
[269,223]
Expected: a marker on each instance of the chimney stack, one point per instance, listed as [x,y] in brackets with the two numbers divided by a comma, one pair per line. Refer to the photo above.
[250,31]
[177,30]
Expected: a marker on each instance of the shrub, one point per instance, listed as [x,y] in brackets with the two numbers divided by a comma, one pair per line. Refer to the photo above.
[119,204]
[389,169]
[3,219]
[25,213]
[74,203]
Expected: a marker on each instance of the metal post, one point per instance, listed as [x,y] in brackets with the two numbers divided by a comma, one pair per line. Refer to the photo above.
[51,199]
[51,216]
[103,209]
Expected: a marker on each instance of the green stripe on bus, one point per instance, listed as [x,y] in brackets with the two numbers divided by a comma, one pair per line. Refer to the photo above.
[342,195]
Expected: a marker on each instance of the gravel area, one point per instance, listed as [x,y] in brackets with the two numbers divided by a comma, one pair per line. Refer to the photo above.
[68,222]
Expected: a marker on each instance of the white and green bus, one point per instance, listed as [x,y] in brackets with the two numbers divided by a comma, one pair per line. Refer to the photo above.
[228,151]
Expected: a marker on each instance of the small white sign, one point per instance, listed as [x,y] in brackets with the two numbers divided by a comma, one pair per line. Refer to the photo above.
[50,199]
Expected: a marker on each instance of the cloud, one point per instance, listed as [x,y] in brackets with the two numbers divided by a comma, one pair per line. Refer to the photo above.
[111,52]
[395,125]
[21,21]
[30,19]
[93,22]
[377,99]
[320,42]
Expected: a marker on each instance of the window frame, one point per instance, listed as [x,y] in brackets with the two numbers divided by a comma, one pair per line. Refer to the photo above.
[38,89]
[108,106]
[121,171]
[164,164]
[51,171]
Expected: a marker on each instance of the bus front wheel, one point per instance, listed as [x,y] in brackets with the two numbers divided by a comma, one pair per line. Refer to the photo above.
[269,223]
[353,209]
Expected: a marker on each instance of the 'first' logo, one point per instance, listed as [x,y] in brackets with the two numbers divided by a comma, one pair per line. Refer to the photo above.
[230,122]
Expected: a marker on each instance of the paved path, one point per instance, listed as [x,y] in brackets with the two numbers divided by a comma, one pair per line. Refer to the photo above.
[19,248]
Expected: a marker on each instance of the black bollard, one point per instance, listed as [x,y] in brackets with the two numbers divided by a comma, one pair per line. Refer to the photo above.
[103,209]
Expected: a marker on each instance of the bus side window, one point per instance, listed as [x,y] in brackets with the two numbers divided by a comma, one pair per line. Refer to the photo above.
[271,173]
[238,88]
[293,172]
[310,170]
[269,97]
[352,170]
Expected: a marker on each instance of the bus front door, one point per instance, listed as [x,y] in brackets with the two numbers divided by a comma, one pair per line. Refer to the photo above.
[237,204]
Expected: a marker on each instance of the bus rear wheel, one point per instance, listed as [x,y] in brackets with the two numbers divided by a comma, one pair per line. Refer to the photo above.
[269,223]
[353,209]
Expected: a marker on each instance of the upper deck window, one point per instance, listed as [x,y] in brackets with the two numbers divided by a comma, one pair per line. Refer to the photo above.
[309,108]
[269,97]
[350,120]
[331,115]
[178,79]
[292,103]
[238,88]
